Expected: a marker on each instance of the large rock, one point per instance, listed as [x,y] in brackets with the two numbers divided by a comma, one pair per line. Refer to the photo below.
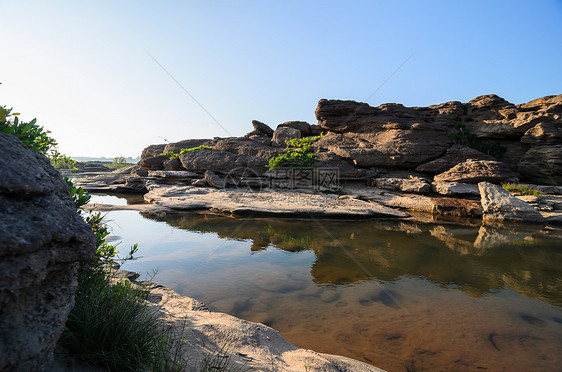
[246,146]
[42,242]
[154,162]
[393,147]
[475,171]
[411,185]
[262,129]
[499,205]
[302,126]
[455,155]
[284,134]
[543,165]
[221,161]
[543,134]
[152,150]
[187,144]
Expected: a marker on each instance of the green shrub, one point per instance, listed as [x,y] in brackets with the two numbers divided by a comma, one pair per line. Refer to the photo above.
[522,189]
[467,138]
[173,155]
[299,154]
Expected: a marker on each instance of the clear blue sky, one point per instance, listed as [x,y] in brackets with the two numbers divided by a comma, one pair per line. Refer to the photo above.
[83,70]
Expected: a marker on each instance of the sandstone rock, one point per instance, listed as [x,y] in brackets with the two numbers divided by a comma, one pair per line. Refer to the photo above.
[220,161]
[455,188]
[213,180]
[262,129]
[477,171]
[412,185]
[284,134]
[173,175]
[152,150]
[499,205]
[346,171]
[542,164]
[543,134]
[154,163]
[455,155]
[42,242]
[172,165]
[187,144]
[247,146]
[302,126]
[388,148]
[199,183]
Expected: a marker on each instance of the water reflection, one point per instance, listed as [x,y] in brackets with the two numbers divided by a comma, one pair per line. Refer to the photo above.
[474,260]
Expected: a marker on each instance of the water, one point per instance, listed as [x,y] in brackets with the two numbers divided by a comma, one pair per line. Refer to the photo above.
[399,295]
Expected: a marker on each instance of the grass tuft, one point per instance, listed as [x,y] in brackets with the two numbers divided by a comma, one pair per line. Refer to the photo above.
[522,189]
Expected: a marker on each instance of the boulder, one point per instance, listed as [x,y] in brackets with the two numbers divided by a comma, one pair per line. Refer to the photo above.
[346,171]
[262,129]
[187,144]
[43,240]
[411,185]
[154,162]
[499,205]
[221,161]
[542,164]
[302,126]
[475,171]
[152,150]
[247,146]
[455,155]
[213,180]
[283,134]
[172,165]
[388,148]
[543,134]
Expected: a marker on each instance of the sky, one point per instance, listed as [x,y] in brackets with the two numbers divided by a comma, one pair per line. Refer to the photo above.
[109,78]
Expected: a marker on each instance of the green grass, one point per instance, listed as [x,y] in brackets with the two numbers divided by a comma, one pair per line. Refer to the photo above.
[111,325]
[113,165]
[522,189]
[174,155]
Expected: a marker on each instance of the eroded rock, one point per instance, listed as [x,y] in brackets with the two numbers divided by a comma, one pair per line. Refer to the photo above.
[499,205]
[42,242]
[474,171]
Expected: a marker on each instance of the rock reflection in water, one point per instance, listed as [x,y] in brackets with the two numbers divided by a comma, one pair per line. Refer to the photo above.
[476,260]
[399,295]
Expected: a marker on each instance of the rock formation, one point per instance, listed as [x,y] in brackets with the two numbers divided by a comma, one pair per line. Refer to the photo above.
[42,242]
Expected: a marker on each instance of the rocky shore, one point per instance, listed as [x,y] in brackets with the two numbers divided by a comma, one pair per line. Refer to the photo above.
[389,161]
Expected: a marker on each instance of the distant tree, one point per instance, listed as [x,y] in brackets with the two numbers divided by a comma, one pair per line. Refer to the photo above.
[118,160]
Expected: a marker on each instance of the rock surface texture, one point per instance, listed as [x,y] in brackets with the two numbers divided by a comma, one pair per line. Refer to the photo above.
[42,242]
[499,205]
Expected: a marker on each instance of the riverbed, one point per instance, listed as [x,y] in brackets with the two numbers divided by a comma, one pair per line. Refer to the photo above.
[400,295]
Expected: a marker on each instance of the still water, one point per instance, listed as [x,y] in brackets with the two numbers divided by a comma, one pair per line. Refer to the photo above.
[402,296]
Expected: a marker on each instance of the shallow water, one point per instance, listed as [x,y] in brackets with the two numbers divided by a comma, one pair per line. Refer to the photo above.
[402,296]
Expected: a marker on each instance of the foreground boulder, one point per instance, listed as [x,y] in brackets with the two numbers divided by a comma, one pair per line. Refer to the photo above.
[42,242]
[499,205]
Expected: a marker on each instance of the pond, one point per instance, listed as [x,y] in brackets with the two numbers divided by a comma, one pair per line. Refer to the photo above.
[402,296]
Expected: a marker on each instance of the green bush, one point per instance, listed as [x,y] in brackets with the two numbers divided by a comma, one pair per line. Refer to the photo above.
[467,138]
[299,154]
[173,155]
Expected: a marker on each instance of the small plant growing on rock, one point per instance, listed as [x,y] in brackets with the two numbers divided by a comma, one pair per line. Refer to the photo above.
[522,189]
[299,153]
[174,155]
[467,138]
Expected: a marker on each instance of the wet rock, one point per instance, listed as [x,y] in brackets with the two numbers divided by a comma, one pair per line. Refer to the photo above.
[283,134]
[499,205]
[543,164]
[42,243]
[474,171]
[455,155]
